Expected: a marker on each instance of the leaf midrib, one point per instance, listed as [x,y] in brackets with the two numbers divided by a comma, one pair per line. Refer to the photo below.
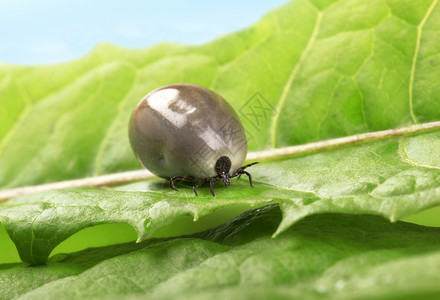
[265,155]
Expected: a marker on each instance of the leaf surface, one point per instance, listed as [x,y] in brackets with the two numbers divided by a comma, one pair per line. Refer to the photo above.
[322,257]
[312,70]
[308,71]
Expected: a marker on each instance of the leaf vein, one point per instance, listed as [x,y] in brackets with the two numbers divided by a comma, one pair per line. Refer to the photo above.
[414,61]
[292,76]
[25,112]
[405,157]
[112,126]
[31,248]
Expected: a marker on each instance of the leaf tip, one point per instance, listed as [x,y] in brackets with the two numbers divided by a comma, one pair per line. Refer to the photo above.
[281,228]
[275,234]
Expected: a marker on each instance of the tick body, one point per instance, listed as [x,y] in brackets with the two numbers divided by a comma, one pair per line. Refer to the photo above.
[184,131]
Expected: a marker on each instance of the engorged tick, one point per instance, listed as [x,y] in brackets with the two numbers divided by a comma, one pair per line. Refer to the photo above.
[184,131]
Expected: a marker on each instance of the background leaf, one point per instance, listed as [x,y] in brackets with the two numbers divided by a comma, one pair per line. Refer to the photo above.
[322,257]
[327,68]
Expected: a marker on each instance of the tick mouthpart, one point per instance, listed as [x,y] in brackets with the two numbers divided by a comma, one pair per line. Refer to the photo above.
[225,179]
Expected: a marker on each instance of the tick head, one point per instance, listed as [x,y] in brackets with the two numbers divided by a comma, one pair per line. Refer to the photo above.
[223,165]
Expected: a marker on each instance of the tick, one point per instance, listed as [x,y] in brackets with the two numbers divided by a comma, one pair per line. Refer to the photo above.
[184,131]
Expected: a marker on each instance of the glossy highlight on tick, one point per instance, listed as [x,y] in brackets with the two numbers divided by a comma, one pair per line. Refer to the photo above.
[187,132]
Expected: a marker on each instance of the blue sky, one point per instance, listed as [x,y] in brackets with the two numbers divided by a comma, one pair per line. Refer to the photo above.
[44,32]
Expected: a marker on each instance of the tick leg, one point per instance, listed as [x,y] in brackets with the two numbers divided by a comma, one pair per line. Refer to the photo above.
[249,175]
[241,172]
[244,167]
[197,184]
[211,187]
[174,178]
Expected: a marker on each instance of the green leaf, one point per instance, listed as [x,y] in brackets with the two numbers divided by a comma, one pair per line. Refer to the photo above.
[322,257]
[323,69]
[392,178]
[326,68]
